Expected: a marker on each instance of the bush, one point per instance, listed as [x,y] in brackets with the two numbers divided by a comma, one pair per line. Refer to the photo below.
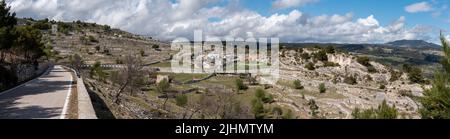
[371,69]
[305,56]
[181,100]
[298,84]
[258,108]
[384,111]
[330,49]
[394,75]
[240,85]
[350,80]
[322,88]
[310,66]
[382,86]
[363,60]
[331,64]
[92,39]
[415,76]
[261,94]
[321,56]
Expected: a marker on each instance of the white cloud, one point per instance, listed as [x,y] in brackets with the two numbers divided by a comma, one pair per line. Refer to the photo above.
[167,20]
[418,7]
[280,4]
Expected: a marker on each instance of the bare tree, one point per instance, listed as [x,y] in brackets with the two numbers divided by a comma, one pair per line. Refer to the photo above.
[129,75]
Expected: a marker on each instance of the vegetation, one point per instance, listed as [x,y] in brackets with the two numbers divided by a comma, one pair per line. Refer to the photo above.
[24,42]
[181,100]
[395,75]
[310,66]
[321,56]
[322,88]
[314,108]
[305,56]
[384,111]
[331,64]
[240,85]
[436,101]
[330,49]
[350,80]
[298,84]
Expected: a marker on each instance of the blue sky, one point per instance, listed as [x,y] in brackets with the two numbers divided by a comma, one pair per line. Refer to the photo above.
[386,11]
[337,21]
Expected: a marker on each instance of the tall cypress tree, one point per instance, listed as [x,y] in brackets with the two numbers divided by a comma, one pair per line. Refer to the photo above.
[436,101]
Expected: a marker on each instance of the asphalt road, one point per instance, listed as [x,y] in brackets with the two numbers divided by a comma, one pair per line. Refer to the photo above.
[42,98]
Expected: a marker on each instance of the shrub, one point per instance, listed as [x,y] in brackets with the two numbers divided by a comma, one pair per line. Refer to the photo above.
[350,80]
[322,88]
[415,75]
[331,64]
[371,69]
[321,56]
[258,108]
[305,56]
[330,49]
[181,100]
[384,111]
[310,66]
[363,60]
[394,75]
[240,85]
[298,84]
[383,86]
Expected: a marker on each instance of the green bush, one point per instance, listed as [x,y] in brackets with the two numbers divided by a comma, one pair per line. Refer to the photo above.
[240,85]
[181,100]
[330,49]
[322,88]
[350,80]
[384,111]
[305,56]
[298,84]
[321,55]
[363,60]
[331,64]
[310,66]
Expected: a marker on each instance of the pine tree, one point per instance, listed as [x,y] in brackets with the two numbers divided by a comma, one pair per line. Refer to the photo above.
[436,101]
[7,22]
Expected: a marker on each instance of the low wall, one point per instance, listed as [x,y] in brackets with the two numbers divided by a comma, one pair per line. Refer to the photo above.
[85,107]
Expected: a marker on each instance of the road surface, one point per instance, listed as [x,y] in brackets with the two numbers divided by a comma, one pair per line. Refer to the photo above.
[41,98]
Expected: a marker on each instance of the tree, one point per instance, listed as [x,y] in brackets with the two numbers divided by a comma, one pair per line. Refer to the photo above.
[322,88]
[298,84]
[181,100]
[384,111]
[7,23]
[436,100]
[130,75]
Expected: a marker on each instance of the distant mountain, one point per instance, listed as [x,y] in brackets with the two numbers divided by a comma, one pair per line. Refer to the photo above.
[414,44]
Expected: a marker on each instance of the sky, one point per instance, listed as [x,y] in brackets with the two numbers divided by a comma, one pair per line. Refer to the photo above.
[324,21]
